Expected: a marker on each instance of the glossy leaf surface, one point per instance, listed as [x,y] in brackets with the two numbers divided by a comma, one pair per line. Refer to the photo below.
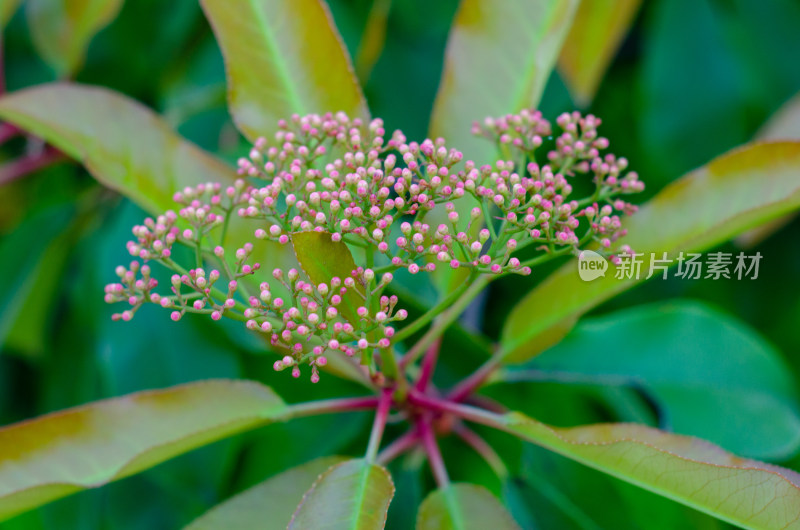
[88,446]
[282,58]
[734,192]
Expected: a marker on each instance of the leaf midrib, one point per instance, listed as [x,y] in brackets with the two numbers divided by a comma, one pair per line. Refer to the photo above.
[281,67]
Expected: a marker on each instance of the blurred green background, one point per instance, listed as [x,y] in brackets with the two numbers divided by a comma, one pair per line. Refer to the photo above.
[692,79]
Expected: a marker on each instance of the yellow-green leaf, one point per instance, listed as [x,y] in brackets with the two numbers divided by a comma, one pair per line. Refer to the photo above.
[498,59]
[282,58]
[88,446]
[266,506]
[691,471]
[593,39]
[353,495]
[7,10]
[323,259]
[464,507]
[125,145]
[734,192]
[783,125]
[62,29]
[373,39]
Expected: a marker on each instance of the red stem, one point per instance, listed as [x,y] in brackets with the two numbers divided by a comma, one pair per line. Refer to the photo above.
[23,166]
[467,386]
[312,408]
[398,447]
[8,131]
[378,426]
[432,450]
[463,411]
[428,365]
[483,448]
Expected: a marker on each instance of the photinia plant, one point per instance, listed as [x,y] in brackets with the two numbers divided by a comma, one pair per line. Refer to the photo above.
[311,241]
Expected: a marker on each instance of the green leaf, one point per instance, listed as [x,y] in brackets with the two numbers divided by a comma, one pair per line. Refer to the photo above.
[499,57]
[734,192]
[710,375]
[593,39]
[88,446]
[323,259]
[687,470]
[463,507]
[62,29]
[351,495]
[282,58]
[122,143]
[29,281]
[269,505]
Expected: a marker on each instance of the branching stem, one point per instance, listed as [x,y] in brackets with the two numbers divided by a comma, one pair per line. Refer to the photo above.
[384,404]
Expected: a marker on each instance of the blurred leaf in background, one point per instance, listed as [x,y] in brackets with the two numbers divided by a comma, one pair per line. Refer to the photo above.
[61,29]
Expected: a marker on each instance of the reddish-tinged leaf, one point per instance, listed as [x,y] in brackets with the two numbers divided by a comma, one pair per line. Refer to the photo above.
[282,58]
[596,33]
[783,125]
[353,495]
[125,145]
[85,447]
[499,57]
[734,192]
[266,506]
[464,507]
[694,472]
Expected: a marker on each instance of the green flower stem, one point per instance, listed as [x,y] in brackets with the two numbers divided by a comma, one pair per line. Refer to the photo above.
[487,217]
[419,323]
[444,320]
[198,253]
[214,292]
[225,224]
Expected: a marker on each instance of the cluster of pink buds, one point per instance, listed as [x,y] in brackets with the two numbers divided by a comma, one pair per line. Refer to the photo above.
[314,318]
[371,192]
[537,201]
[342,177]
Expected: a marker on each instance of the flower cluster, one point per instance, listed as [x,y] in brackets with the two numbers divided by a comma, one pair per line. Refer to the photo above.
[377,193]
[342,177]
